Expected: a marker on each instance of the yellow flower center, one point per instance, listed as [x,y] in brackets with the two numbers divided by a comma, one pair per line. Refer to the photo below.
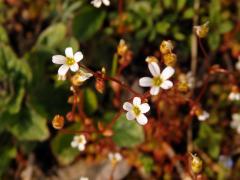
[157,81]
[136,110]
[70,61]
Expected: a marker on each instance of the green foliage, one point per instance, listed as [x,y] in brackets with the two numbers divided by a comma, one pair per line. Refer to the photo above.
[32,125]
[52,36]
[127,133]
[3,35]
[209,140]
[90,101]
[7,153]
[147,163]
[88,22]
[61,146]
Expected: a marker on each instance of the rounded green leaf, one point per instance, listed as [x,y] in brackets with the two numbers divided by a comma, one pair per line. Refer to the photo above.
[90,101]
[127,133]
[61,146]
[87,23]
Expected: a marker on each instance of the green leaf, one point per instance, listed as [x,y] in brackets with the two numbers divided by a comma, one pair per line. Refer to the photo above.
[214,40]
[69,42]
[215,12]
[28,125]
[209,140]
[147,163]
[15,104]
[61,146]
[7,153]
[180,4]
[179,36]
[162,27]
[225,27]
[52,36]
[3,35]
[127,133]
[114,65]
[88,22]
[90,101]
[14,74]
[167,3]
[188,14]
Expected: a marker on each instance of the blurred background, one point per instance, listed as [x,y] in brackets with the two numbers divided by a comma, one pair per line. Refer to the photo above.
[31,32]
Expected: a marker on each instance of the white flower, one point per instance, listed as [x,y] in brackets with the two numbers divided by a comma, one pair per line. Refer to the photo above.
[98,3]
[204,115]
[136,110]
[70,61]
[235,124]
[114,157]
[83,178]
[79,142]
[159,80]
[234,96]
[190,80]
[237,65]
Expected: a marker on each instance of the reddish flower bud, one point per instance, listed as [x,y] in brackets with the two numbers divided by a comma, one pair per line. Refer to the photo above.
[58,122]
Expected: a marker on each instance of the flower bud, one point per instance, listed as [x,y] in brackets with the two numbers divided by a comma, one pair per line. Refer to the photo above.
[80,77]
[166,47]
[169,59]
[151,59]
[122,48]
[58,122]
[196,164]
[202,30]
[70,116]
[100,83]
[183,86]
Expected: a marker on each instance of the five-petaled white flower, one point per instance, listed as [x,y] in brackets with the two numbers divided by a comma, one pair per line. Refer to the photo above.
[235,124]
[79,142]
[70,61]
[114,157]
[136,110]
[159,80]
[98,3]
[203,115]
[234,96]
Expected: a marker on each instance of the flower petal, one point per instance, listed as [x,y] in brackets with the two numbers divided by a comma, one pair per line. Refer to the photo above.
[127,106]
[69,52]
[142,119]
[136,101]
[167,73]
[63,70]
[154,68]
[154,90]
[81,147]
[78,56]
[144,107]
[145,82]
[74,67]
[74,144]
[130,116]
[58,59]
[96,3]
[166,84]
[106,2]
